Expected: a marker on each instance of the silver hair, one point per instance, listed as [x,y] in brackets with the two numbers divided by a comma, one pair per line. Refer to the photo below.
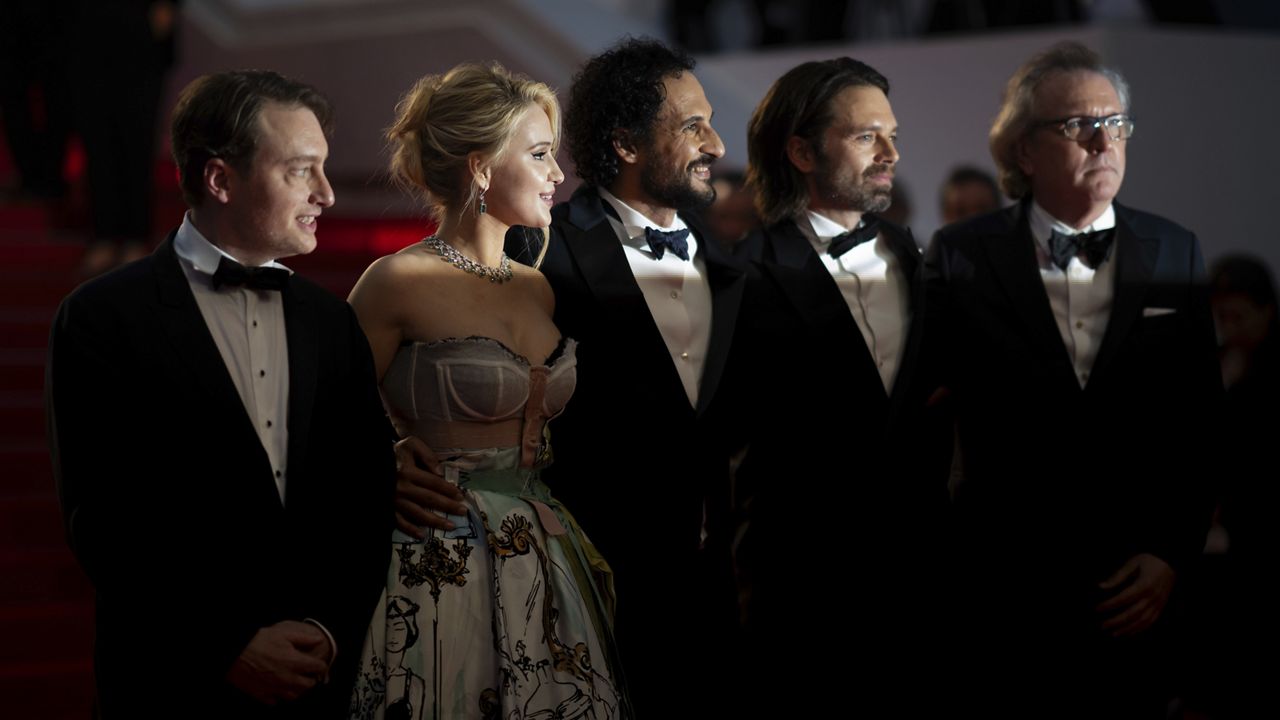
[1014,122]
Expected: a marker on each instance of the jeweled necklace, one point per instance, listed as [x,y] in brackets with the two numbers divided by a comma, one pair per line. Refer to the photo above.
[499,274]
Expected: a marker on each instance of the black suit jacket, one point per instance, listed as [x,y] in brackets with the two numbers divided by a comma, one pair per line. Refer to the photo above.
[171,504]
[1063,484]
[795,311]
[634,462]
[845,480]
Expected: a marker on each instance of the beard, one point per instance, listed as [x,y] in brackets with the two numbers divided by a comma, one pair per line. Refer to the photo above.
[838,187]
[678,189]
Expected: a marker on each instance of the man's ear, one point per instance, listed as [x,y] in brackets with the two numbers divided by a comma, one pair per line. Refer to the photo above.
[800,153]
[1022,153]
[625,146]
[219,177]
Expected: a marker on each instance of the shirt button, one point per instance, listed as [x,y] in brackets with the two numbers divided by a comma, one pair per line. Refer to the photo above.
[684,356]
[255,323]
[268,423]
[1084,376]
[278,473]
[675,295]
[1079,324]
[262,373]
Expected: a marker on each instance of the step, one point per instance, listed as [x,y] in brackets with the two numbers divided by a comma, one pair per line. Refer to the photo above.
[55,690]
[25,469]
[25,326]
[35,287]
[37,249]
[28,217]
[22,415]
[31,522]
[48,575]
[27,375]
[46,633]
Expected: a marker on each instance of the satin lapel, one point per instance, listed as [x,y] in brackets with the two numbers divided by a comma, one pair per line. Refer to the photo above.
[1013,261]
[792,262]
[187,332]
[904,248]
[303,341]
[598,255]
[809,287]
[1135,259]
[726,281]
[185,327]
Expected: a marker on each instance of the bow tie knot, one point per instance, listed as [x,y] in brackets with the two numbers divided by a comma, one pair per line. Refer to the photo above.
[1095,247]
[232,273]
[677,241]
[846,241]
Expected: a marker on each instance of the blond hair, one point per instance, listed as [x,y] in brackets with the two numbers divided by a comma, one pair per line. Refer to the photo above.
[445,118]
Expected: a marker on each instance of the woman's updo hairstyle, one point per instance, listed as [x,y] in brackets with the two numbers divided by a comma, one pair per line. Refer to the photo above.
[445,118]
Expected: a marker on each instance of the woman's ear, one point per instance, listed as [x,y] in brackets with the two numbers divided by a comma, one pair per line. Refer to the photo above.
[478,164]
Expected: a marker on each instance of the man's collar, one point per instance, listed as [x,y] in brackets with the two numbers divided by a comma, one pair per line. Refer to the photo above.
[819,229]
[823,227]
[191,245]
[633,221]
[1042,223]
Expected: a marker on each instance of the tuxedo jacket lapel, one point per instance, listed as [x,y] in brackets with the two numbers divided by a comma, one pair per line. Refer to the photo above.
[1013,261]
[907,253]
[800,274]
[805,282]
[182,323]
[727,282]
[904,249]
[303,343]
[595,250]
[1135,258]
[593,244]
[599,256]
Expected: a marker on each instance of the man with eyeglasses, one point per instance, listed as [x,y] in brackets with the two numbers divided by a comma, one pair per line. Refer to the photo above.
[1075,339]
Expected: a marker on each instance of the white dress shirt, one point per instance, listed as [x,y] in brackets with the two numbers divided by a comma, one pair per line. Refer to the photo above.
[874,288]
[248,328]
[1080,296]
[676,291]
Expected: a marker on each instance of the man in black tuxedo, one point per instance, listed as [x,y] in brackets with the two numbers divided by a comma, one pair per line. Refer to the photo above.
[1075,338]
[824,364]
[222,455]
[639,457]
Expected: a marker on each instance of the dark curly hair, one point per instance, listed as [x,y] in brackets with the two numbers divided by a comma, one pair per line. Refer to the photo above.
[619,89]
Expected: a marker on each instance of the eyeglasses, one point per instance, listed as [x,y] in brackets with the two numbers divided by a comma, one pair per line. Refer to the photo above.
[1082,129]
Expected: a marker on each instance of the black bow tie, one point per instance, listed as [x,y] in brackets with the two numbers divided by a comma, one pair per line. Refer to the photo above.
[846,241]
[230,272]
[661,240]
[1095,246]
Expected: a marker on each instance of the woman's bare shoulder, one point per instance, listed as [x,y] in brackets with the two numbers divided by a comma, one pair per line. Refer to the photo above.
[535,283]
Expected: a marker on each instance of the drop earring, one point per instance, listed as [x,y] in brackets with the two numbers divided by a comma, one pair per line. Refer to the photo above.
[481,208]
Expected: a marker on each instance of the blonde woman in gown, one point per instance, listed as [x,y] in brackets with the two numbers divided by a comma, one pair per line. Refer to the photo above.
[506,614]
